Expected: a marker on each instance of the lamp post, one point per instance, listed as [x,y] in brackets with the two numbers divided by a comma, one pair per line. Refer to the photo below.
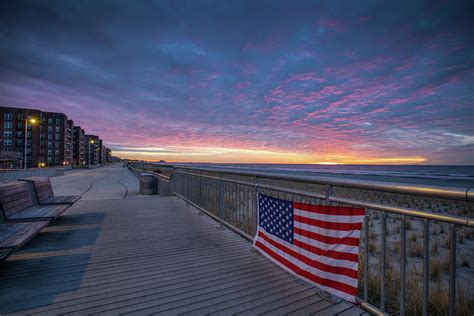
[89,152]
[32,121]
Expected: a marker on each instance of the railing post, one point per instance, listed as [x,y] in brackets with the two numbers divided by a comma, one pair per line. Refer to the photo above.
[328,194]
[383,272]
[221,200]
[452,270]
[255,190]
[366,257]
[426,267]
[403,238]
[186,188]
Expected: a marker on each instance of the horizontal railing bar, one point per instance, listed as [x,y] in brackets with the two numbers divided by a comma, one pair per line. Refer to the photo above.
[463,221]
[461,194]
[159,175]
[217,178]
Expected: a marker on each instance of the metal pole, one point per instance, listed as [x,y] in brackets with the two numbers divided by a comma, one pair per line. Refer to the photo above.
[452,270]
[89,155]
[366,257]
[403,265]
[221,200]
[26,132]
[426,267]
[384,262]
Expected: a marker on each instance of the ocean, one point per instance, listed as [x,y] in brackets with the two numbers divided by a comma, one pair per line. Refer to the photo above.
[458,176]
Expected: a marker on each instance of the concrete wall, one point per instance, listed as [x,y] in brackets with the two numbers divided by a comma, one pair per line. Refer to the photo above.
[43,172]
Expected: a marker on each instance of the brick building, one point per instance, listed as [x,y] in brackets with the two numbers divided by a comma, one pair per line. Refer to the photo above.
[12,134]
[91,149]
[79,143]
[51,140]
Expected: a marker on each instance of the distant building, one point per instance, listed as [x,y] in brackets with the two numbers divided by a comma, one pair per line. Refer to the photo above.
[108,155]
[56,142]
[12,136]
[51,140]
[79,143]
[91,149]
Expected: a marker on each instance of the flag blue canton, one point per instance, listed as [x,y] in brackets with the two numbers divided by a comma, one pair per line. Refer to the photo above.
[276,217]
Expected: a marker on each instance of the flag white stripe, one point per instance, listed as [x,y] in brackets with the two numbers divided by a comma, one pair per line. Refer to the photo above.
[315,271]
[331,290]
[330,218]
[327,232]
[324,246]
[320,258]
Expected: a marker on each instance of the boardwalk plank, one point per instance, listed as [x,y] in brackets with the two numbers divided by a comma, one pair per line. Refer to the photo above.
[144,254]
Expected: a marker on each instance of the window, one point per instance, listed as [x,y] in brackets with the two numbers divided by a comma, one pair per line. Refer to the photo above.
[49,159]
[20,117]
[8,116]
[19,134]
[57,144]
[50,121]
[19,142]
[57,135]
[20,125]
[7,124]
[50,128]
[57,129]
[7,134]
[58,121]
[56,160]
[56,153]
[49,152]
[50,136]
[28,134]
[7,142]
[28,142]
[50,144]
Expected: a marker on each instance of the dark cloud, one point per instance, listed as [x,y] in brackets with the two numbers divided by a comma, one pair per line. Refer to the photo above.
[367,78]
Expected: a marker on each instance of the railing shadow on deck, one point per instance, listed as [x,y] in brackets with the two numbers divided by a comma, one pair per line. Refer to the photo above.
[230,197]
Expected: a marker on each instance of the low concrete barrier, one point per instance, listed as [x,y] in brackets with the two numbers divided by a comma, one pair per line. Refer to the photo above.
[33,172]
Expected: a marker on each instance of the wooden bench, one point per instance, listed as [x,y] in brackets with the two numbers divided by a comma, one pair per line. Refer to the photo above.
[17,204]
[14,235]
[44,192]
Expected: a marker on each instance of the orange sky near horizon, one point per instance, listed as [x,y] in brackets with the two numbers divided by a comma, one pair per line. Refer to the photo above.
[234,155]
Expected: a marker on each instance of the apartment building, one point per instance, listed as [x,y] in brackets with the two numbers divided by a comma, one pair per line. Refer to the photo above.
[79,143]
[50,139]
[54,143]
[14,128]
[92,149]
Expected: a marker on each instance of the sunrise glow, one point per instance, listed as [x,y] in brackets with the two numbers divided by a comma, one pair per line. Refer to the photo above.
[295,82]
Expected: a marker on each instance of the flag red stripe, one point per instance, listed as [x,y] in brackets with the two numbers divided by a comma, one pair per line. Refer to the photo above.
[326,253]
[329,210]
[350,241]
[315,264]
[328,225]
[325,282]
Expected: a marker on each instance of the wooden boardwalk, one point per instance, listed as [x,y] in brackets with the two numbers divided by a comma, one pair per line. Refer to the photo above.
[145,255]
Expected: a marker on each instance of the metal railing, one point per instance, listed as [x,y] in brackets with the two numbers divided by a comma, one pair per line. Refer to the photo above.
[32,172]
[230,197]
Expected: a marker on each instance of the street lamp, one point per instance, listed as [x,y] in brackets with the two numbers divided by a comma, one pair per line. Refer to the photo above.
[89,152]
[32,121]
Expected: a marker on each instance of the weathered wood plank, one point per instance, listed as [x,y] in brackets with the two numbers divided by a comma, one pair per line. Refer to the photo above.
[15,235]
[150,255]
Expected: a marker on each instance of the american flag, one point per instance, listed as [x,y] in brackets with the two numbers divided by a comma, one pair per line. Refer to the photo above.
[317,243]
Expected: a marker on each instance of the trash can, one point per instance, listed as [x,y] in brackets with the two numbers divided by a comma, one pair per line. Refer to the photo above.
[148,184]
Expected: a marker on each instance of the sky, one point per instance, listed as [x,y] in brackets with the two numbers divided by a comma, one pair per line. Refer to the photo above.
[366,82]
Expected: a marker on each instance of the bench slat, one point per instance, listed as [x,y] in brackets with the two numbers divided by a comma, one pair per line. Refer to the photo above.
[15,235]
